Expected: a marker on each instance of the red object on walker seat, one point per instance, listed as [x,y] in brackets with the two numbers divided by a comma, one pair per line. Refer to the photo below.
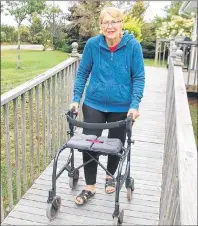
[95,141]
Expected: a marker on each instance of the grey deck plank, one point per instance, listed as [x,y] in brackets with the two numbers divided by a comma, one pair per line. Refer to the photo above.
[37,198]
[146,169]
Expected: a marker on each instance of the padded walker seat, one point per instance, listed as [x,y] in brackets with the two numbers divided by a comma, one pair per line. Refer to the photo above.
[97,144]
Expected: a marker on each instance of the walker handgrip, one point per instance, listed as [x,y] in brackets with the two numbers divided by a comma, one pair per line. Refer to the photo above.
[87,125]
[71,112]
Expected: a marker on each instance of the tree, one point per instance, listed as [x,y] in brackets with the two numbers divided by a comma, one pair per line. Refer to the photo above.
[2,8]
[138,10]
[45,39]
[84,17]
[148,32]
[133,26]
[54,19]
[177,26]
[3,36]
[10,33]
[21,10]
[24,34]
[84,22]
[148,40]
[35,6]
[173,9]
[36,28]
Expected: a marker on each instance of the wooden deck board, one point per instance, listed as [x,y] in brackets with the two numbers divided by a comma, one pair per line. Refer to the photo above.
[146,168]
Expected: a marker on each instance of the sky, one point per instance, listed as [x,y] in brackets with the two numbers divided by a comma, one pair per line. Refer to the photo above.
[155,8]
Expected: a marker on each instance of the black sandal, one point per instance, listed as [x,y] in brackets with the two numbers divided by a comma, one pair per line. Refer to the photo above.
[85,195]
[110,183]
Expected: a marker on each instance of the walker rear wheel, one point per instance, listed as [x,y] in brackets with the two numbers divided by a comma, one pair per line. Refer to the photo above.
[130,189]
[73,181]
[129,194]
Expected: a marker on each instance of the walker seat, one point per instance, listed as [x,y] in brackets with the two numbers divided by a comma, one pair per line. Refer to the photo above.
[97,144]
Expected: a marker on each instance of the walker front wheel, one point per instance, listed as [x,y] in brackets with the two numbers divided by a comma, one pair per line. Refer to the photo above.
[119,220]
[53,208]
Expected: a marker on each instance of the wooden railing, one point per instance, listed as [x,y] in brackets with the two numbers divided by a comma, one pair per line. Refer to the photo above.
[161,49]
[179,179]
[189,59]
[33,126]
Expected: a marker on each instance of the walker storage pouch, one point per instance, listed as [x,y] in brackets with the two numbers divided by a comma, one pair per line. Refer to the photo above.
[107,145]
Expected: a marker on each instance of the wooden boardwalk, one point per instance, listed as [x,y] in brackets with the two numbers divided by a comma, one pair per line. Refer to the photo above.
[146,168]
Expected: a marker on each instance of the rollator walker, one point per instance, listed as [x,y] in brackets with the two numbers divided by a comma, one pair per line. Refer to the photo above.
[101,145]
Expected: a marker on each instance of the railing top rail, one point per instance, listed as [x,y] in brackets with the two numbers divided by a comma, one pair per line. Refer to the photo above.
[187,43]
[164,40]
[23,88]
[186,151]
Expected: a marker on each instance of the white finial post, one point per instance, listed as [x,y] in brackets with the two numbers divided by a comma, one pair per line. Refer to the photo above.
[74,50]
[173,51]
[178,60]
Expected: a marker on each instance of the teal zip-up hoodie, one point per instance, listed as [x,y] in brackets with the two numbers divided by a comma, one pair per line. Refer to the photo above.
[116,79]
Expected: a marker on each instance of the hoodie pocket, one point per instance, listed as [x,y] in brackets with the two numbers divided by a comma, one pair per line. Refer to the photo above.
[120,94]
[97,93]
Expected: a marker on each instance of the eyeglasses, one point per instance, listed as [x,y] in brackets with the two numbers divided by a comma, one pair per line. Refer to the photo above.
[113,23]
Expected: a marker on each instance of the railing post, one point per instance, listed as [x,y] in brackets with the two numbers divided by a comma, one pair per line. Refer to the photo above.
[178,59]
[156,50]
[74,70]
[74,50]
[172,42]
[172,52]
[2,210]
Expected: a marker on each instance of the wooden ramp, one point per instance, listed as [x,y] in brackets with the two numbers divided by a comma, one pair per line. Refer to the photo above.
[146,169]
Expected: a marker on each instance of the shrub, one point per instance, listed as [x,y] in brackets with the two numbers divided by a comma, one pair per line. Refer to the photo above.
[10,34]
[3,36]
[177,26]
[148,49]
[133,26]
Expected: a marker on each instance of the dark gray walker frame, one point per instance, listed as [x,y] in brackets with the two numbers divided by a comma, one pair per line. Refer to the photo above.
[74,172]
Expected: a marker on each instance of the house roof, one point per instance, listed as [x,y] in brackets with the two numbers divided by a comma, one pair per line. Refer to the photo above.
[188,7]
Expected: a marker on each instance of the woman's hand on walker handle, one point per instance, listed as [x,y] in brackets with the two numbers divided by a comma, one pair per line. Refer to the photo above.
[133,112]
[74,105]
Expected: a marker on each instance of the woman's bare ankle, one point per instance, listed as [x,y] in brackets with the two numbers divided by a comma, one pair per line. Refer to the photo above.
[91,188]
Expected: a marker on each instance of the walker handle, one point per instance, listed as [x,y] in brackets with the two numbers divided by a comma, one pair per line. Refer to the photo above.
[87,125]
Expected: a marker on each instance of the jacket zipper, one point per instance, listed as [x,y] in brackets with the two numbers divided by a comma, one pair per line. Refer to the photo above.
[111,59]
[111,56]
[107,89]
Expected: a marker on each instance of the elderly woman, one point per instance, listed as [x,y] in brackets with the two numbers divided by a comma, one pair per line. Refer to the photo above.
[115,64]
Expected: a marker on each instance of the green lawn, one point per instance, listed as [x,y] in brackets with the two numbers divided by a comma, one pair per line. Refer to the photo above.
[151,62]
[194,116]
[33,63]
